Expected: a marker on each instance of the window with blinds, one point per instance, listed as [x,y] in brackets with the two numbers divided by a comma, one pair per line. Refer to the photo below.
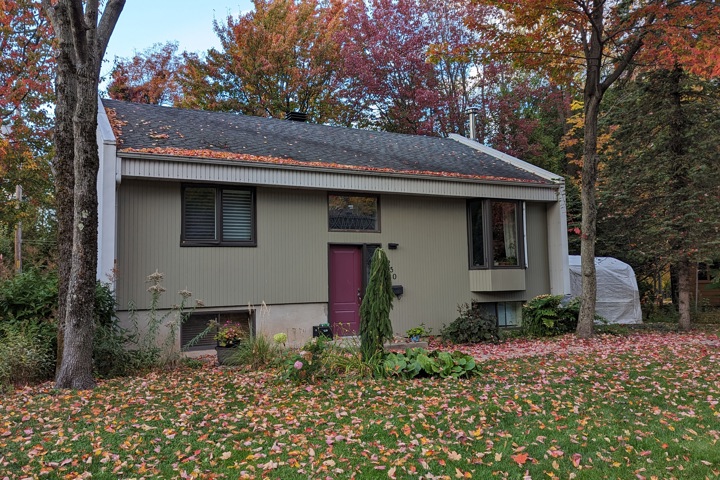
[218,216]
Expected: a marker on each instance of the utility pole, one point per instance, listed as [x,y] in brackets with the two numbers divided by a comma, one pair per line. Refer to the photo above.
[18,233]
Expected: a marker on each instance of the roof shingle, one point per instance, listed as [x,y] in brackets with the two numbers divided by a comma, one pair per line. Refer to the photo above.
[160,130]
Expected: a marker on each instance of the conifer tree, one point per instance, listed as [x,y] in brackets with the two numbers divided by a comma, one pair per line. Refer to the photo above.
[375,326]
[660,189]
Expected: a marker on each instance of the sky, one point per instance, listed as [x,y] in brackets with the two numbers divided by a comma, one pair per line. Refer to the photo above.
[189,22]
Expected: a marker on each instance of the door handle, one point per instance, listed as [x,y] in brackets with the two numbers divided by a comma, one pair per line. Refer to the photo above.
[359,297]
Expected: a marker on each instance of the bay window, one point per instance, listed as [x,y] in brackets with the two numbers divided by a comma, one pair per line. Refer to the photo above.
[495,233]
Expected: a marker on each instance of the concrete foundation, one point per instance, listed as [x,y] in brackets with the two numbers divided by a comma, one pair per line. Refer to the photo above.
[295,320]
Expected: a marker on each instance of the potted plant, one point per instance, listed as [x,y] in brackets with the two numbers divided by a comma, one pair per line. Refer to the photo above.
[228,338]
[415,333]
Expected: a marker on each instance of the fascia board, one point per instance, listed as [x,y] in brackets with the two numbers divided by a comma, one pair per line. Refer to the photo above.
[507,158]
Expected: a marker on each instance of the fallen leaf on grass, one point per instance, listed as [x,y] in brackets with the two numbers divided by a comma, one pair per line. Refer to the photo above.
[460,474]
[454,456]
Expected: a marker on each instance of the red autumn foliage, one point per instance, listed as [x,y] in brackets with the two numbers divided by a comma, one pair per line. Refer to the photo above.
[148,77]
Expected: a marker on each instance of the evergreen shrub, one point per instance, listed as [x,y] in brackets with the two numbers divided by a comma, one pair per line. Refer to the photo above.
[375,326]
[28,331]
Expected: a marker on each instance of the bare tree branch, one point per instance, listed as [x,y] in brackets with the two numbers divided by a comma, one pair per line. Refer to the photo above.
[109,19]
[628,56]
[78,26]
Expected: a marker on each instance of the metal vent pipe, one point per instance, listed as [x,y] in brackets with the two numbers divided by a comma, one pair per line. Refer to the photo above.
[472,113]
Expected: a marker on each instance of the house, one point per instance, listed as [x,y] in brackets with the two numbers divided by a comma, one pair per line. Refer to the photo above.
[706,291]
[243,211]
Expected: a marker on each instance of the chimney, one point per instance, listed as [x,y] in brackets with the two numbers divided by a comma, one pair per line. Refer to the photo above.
[296,116]
[472,113]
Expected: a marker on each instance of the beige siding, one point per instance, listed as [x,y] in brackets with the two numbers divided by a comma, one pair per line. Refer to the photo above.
[497,280]
[289,265]
[538,277]
[431,260]
[276,271]
[173,168]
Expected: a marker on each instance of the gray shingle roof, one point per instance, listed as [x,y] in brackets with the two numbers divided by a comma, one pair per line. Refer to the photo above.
[172,131]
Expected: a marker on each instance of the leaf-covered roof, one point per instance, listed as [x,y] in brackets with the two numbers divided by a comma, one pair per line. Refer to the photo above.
[166,131]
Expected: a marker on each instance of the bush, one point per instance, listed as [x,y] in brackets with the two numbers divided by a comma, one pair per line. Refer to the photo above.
[27,352]
[28,334]
[321,359]
[257,351]
[418,362]
[305,365]
[472,326]
[546,316]
[661,314]
[110,357]
[28,304]
[29,296]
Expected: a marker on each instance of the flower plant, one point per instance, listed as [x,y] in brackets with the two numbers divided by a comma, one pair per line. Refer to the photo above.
[305,365]
[230,334]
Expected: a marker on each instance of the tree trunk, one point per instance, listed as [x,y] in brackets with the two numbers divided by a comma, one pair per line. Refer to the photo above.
[63,170]
[76,366]
[592,97]
[82,44]
[679,183]
[586,321]
[684,286]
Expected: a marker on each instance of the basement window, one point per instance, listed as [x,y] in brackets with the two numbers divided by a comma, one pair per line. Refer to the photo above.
[508,314]
[198,331]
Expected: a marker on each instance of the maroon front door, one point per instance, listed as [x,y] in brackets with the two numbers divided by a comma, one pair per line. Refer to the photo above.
[345,289]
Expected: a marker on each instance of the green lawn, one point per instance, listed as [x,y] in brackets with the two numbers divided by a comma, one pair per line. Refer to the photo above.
[642,406]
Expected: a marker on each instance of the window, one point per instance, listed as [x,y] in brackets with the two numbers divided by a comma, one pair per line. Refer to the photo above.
[198,328]
[508,314]
[218,216]
[505,233]
[494,234]
[353,213]
[708,271]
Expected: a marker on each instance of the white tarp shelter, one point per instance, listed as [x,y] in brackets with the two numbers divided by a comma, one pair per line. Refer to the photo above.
[618,298]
